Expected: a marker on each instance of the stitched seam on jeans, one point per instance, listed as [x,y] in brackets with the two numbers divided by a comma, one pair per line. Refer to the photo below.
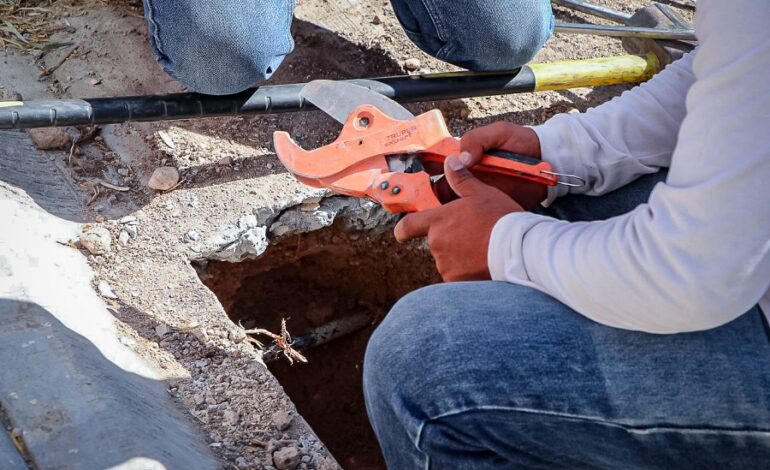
[290,42]
[445,50]
[592,419]
[150,15]
[435,19]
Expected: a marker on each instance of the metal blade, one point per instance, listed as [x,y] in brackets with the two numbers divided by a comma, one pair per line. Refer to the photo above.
[339,99]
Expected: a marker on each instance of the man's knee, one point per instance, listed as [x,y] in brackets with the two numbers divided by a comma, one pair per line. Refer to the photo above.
[479,35]
[394,346]
[219,47]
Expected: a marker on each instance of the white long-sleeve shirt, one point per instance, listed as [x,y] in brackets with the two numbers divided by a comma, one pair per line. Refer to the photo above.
[697,254]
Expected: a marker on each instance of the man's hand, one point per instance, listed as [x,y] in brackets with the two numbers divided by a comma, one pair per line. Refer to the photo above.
[513,138]
[458,232]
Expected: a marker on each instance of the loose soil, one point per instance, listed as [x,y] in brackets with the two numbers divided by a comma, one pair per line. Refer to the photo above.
[310,280]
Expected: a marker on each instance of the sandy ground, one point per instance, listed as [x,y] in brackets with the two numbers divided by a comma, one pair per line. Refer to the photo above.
[233,194]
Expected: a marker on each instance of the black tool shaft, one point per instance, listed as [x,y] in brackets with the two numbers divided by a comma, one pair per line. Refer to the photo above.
[260,100]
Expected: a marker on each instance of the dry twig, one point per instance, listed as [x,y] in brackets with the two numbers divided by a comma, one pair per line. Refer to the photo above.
[283,341]
[55,66]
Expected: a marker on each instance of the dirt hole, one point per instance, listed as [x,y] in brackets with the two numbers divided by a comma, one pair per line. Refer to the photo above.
[334,276]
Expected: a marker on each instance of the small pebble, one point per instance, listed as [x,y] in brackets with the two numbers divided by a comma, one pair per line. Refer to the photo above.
[164,178]
[412,64]
[106,290]
[131,230]
[96,240]
[191,236]
[286,458]
[49,138]
[376,20]
[166,139]
[231,417]
[162,330]
[124,237]
[282,419]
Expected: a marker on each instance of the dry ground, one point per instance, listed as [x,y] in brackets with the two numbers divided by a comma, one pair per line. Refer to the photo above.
[232,184]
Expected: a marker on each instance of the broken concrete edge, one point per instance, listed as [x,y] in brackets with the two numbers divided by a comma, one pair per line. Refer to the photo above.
[250,236]
[278,207]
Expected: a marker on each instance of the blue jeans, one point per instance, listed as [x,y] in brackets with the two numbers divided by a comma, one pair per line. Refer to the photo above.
[481,375]
[224,46]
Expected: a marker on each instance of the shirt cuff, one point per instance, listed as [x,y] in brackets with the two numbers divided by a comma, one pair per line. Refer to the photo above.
[551,137]
[506,251]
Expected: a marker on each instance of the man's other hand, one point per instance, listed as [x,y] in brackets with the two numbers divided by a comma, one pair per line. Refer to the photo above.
[458,232]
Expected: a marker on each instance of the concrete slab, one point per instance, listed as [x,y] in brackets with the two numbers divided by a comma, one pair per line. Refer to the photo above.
[81,397]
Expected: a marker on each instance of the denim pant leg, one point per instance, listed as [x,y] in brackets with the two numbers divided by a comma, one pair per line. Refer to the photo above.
[220,47]
[495,375]
[478,34]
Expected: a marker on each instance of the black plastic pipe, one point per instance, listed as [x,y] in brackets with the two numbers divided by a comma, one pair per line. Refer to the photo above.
[260,100]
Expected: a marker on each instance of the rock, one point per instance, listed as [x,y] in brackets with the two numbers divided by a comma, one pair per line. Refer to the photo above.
[123,171]
[162,330]
[278,229]
[50,138]
[286,458]
[124,237]
[247,222]
[95,81]
[225,161]
[164,178]
[236,335]
[105,290]
[129,220]
[131,230]
[96,240]
[166,139]
[200,335]
[282,419]
[231,417]
[412,64]
[191,236]
[241,462]
[376,20]
[199,399]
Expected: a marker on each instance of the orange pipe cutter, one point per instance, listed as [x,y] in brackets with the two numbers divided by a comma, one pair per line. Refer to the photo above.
[379,157]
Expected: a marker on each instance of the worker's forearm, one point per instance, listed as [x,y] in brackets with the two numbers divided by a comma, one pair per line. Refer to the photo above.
[697,254]
[629,136]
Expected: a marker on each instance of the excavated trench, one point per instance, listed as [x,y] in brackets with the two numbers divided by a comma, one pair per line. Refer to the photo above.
[333,286]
